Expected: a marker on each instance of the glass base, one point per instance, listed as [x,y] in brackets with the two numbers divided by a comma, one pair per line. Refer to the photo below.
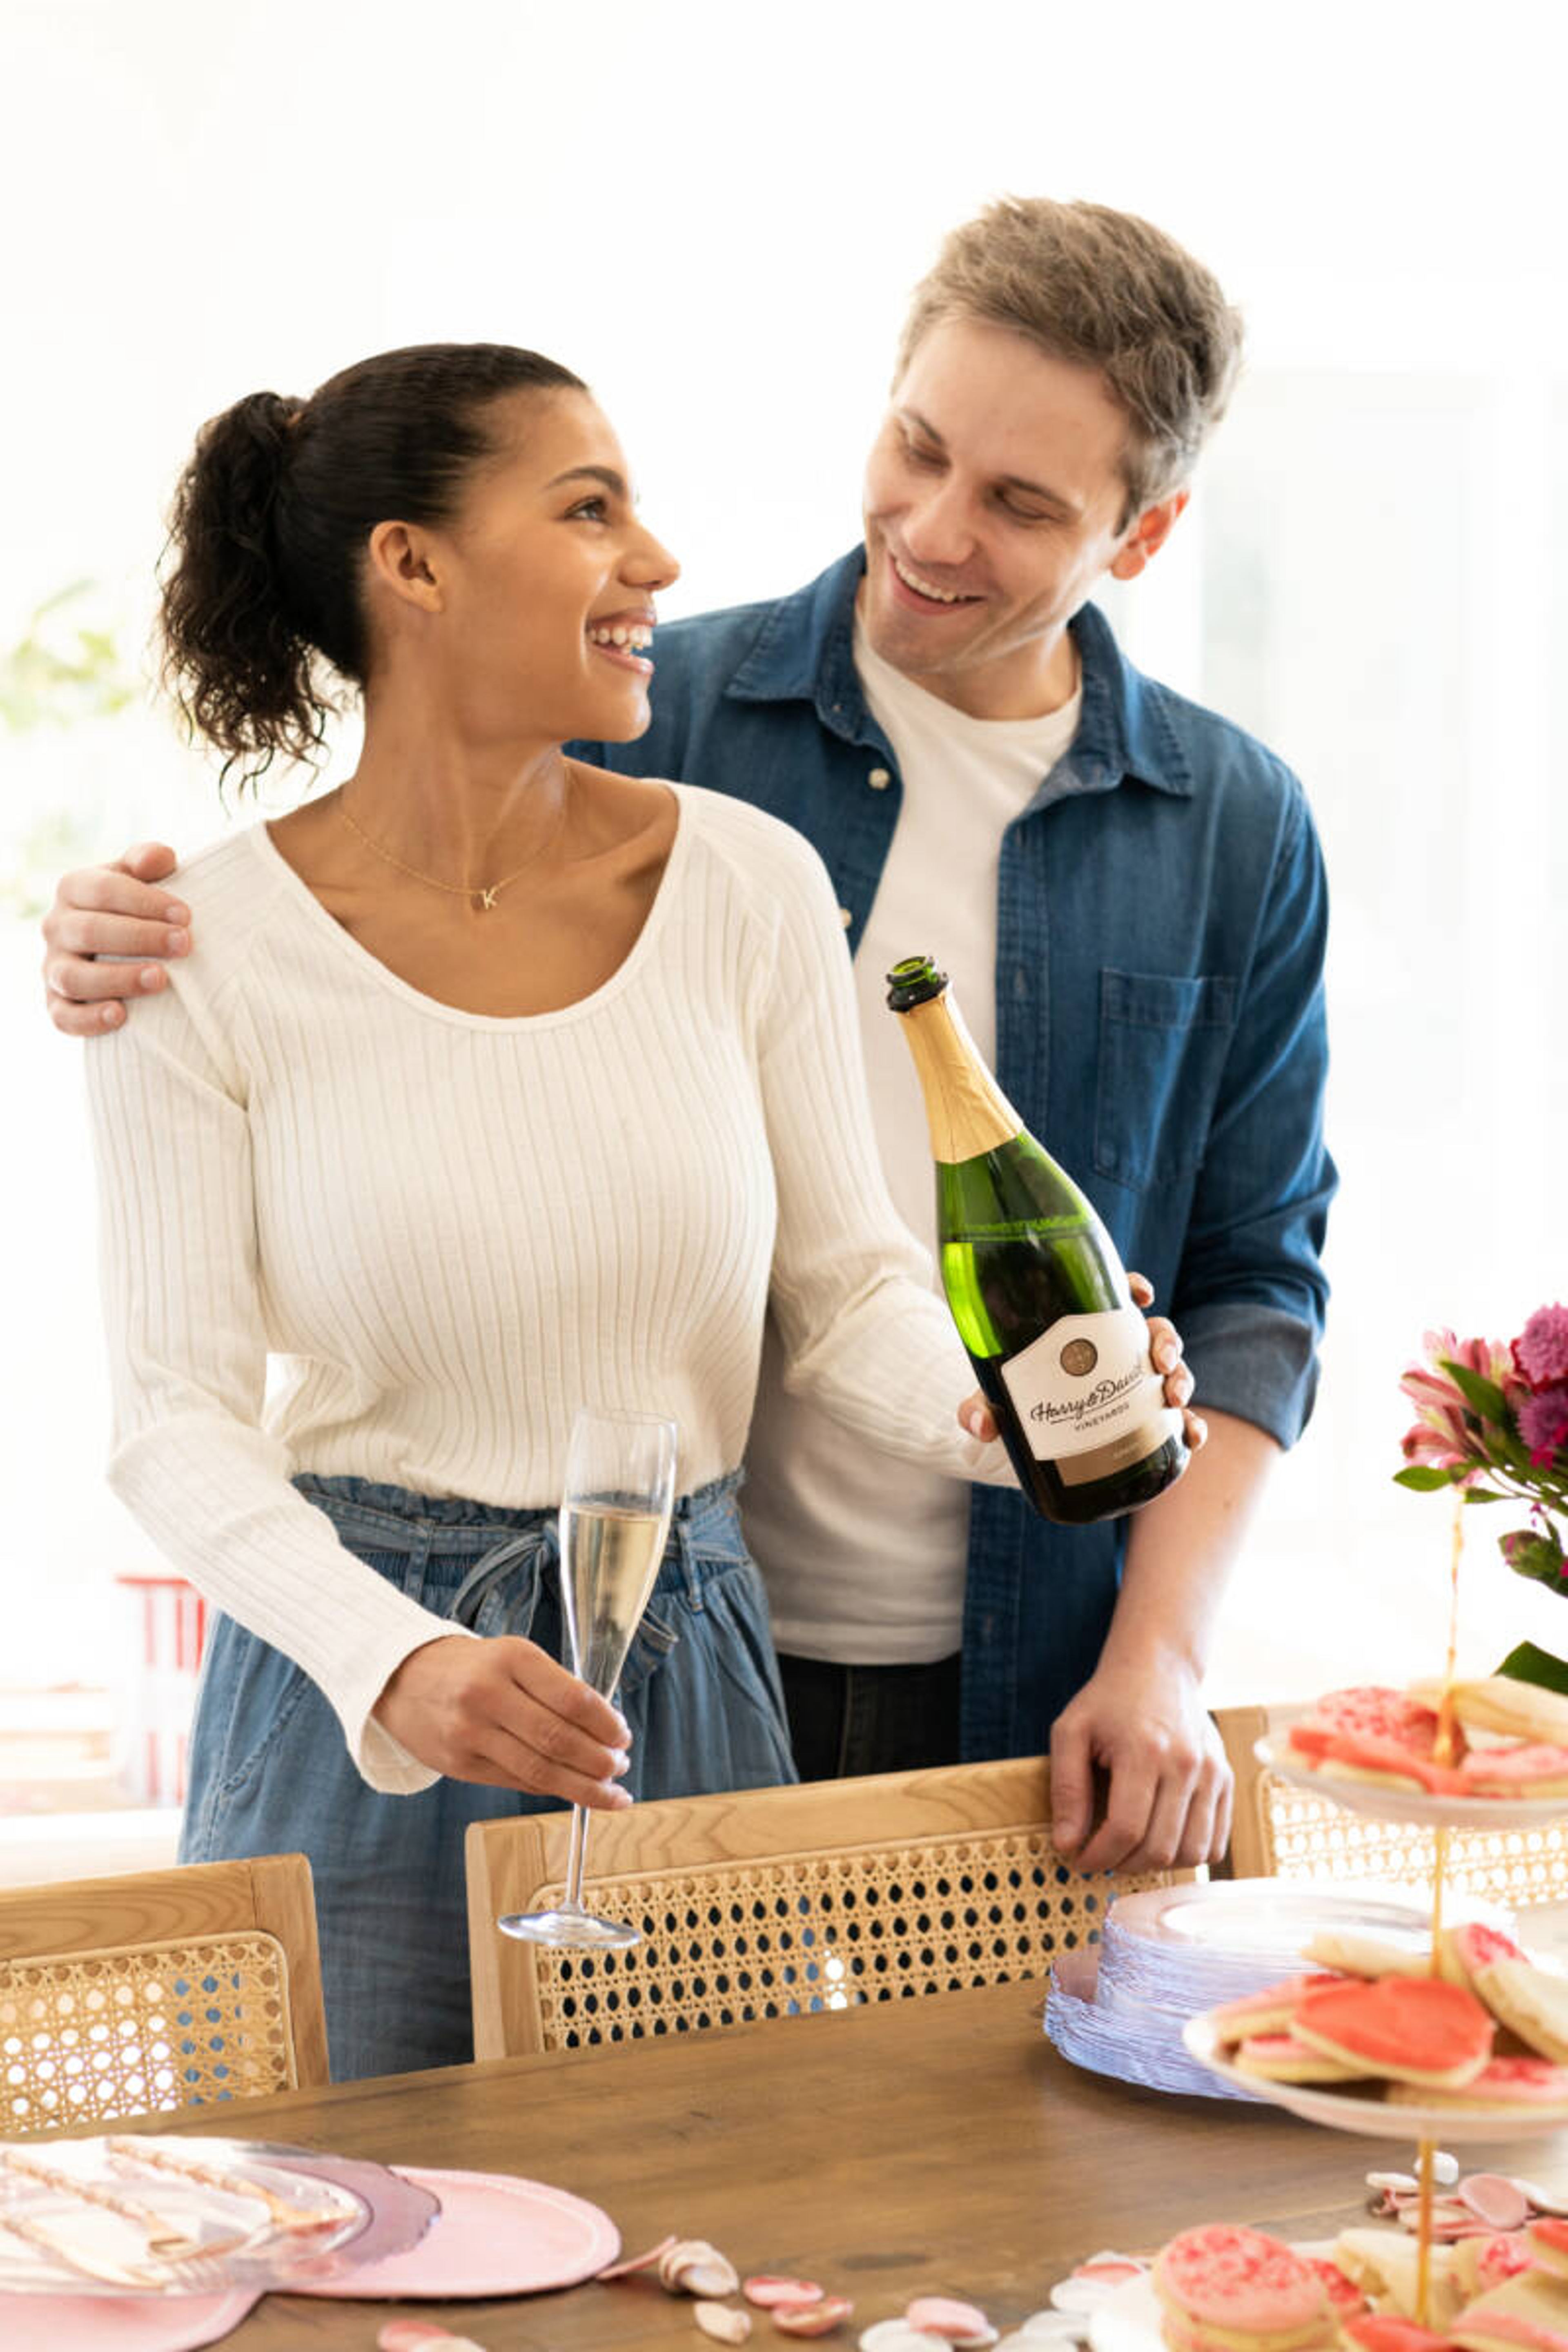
[570,1928]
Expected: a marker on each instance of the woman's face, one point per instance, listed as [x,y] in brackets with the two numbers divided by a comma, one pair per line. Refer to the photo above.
[535,602]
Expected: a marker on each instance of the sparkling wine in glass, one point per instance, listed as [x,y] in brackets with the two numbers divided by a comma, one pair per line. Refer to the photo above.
[615,1523]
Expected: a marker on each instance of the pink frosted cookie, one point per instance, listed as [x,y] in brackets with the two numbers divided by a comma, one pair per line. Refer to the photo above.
[1527,2313]
[1378,1733]
[1267,2011]
[1532,2002]
[1513,1710]
[1407,2029]
[1532,2083]
[1384,2331]
[1536,1770]
[1346,2300]
[1549,2243]
[1281,2058]
[1367,1710]
[1350,1953]
[1462,1950]
[1481,2263]
[1224,2289]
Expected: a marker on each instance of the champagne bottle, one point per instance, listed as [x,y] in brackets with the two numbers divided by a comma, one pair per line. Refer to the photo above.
[1035,1287]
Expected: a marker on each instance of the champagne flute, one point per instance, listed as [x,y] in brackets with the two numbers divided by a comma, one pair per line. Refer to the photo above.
[615,1523]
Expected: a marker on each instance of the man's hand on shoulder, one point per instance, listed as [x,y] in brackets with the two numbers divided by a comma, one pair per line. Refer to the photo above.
[116,911]
[1167,1787]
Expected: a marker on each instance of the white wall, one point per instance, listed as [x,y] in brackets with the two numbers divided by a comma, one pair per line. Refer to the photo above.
[715,214]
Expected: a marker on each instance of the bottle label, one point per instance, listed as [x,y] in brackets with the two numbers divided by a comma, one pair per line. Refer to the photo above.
[1084,1383]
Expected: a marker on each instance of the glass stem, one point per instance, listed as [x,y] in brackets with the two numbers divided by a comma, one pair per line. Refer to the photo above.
[576,1853]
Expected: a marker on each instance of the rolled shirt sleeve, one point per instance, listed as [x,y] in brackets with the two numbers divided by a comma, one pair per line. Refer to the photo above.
[1251,1293]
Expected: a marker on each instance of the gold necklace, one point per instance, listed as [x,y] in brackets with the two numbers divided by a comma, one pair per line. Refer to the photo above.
[485,896]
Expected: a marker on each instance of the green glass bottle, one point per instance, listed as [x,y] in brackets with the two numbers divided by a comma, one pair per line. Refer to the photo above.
[1035,1285]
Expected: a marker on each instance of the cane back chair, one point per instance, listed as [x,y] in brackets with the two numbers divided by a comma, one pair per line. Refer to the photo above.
[772,1902]
[162,1988]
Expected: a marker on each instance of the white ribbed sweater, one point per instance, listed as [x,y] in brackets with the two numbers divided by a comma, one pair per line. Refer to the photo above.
[455,1229]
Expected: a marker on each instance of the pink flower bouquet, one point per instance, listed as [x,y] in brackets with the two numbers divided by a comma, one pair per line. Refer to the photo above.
[1492,1419]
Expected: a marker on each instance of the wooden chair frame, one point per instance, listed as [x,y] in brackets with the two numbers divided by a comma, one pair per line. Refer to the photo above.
[108,1988]
[766,1902]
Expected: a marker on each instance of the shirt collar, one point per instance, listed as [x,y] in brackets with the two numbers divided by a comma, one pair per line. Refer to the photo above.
[804,653]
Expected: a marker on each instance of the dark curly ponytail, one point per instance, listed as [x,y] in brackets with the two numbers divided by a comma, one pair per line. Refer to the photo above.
[270,518]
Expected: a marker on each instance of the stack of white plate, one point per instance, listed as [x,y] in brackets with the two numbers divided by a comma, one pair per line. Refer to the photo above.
[1171,1952]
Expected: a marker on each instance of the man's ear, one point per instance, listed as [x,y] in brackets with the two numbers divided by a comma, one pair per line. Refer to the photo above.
[399,557]
[1148,535]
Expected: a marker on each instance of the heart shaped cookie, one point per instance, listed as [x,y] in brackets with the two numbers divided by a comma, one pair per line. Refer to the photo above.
[1408,2029]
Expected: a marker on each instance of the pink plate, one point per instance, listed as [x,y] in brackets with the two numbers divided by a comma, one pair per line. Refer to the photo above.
[494,2235]
[132,2323]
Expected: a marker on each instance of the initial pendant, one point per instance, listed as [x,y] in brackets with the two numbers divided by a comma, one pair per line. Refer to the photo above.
[487,900]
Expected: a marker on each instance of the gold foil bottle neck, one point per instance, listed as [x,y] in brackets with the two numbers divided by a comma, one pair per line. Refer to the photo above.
[967,1110]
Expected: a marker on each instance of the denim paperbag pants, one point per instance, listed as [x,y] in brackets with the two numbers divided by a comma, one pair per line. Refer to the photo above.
[269,1771]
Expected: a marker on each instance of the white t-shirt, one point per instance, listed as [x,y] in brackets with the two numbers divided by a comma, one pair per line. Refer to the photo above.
[456,1228]
[865,1558]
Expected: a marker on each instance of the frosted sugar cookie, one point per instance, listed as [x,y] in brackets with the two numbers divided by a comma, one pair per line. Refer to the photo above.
[1535,1769]
[1373,1733]
[1222,2289]
[1530,2002]
[1281,2058]
[1346,2300]
[1549,2243]
[1267,2011]
[1385,2264]
[1481,2263]
[1385,2331]
[1344,1951]
[1502,2083]
[1529,2311]
[1406,2029]
[1462,1950]
[1497,1703]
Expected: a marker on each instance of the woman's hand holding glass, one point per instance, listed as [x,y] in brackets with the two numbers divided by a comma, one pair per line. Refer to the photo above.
[503,1712]
[615,1522]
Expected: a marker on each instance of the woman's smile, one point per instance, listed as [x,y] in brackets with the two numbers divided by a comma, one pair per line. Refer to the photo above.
[624,638]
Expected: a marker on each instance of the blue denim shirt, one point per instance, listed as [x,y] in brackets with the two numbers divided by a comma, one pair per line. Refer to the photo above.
[1161,924]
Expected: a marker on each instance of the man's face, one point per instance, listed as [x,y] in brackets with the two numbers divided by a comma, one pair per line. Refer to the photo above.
[994,502]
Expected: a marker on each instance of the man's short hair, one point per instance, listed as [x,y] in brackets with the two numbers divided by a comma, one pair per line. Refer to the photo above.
[1110,292]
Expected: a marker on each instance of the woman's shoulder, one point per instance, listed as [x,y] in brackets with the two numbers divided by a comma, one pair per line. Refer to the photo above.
[239,867]
[236,889]
[759,848]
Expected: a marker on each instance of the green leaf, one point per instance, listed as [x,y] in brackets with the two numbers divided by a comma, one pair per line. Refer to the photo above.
[1424,1477]
[1528,1665]
[1483,1396]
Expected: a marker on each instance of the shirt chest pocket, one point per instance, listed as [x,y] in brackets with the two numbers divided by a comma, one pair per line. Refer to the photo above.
[1162,1047]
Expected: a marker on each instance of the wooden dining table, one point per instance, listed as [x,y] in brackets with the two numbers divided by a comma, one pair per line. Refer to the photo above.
[887,2150]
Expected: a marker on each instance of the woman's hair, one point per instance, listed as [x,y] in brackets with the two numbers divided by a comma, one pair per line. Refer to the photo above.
[1108,291]
[261,577]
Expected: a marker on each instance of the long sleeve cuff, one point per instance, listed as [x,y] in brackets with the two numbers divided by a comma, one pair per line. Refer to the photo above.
[1253,1360]
[214,1495]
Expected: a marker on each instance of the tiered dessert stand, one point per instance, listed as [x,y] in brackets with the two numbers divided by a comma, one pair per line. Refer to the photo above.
[1356,2112]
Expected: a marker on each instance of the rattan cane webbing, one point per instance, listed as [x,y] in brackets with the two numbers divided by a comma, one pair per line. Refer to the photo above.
[89,2037]
[1314,1839]
[726,1942]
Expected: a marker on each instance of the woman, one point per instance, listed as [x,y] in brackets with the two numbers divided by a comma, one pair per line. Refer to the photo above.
[499,1082]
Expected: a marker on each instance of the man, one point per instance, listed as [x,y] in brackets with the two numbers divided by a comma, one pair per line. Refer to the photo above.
[1128,894]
